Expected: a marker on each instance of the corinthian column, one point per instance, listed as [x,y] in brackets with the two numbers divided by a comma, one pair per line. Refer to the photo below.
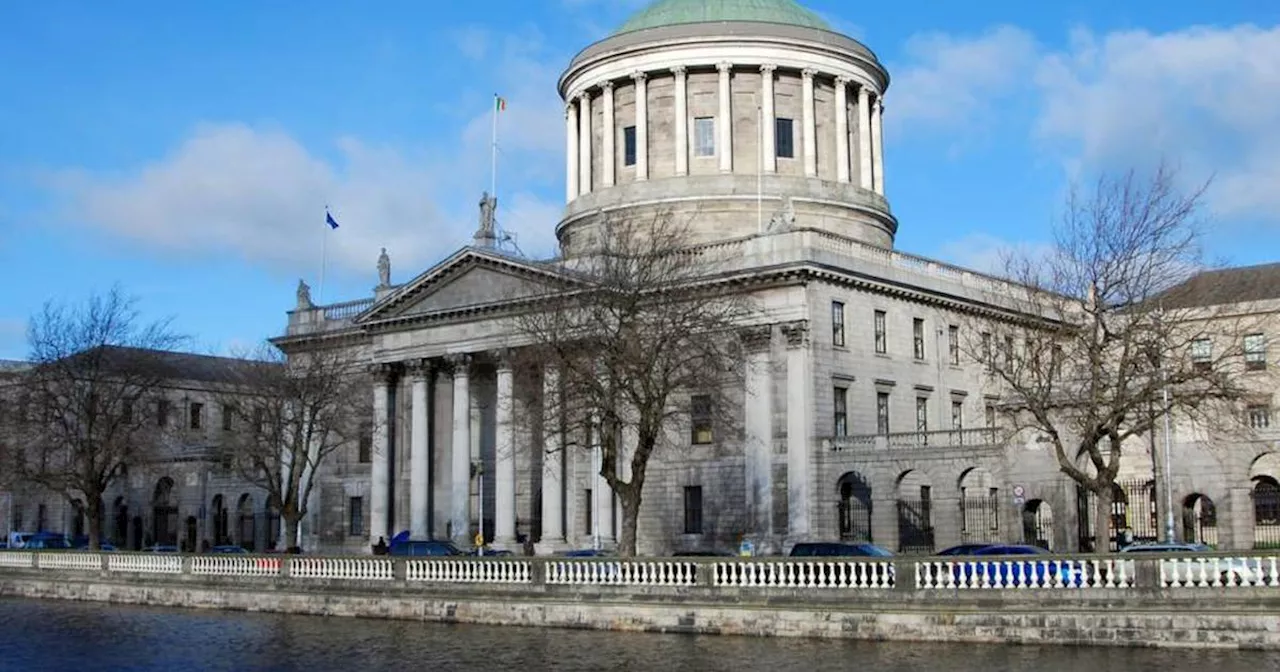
[609,155]
[584,143]
[379,486]
[682,120]
[877,140]
[864,138]
[799,412]
[553,485]
[810,124]
[842,130]
[642,126]
[419,466]
[724,122]
[460,467]
[758,411]
[504,455]
[571,152]
[769,127]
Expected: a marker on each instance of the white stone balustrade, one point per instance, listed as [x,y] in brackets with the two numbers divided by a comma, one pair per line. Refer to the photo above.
[17,559]
[234,565]
[469,571]
[85,561]
[1033,572]
[622,572]
[144,563]
[834,573]
[360,569]
[1217,572]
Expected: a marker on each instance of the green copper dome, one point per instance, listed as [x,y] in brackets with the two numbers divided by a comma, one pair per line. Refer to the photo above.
[673,12]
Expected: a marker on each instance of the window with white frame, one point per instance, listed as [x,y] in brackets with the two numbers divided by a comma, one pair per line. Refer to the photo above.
[1202,353]
[957,415]
[882,412]
[840,411]
[882,338]
[922,414]
[953,344]
[704,136]
[917,337]
[1258,416]
[837,323]
[1255,352]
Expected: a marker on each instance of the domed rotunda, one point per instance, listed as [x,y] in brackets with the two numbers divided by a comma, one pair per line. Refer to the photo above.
[746,116]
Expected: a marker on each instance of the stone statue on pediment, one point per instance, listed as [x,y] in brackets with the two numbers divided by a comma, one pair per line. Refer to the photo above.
[486,233]
[784,219]
[304,295]
[384,269]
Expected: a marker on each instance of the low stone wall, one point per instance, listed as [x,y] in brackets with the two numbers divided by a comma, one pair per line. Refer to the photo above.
[661,597]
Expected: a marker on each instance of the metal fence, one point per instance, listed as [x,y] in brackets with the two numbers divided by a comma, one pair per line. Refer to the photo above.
[915,526]
[1266,514]
[980,519]
[855,520]
[1133,514]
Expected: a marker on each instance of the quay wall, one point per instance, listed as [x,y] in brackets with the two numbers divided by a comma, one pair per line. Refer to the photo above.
[1138,608]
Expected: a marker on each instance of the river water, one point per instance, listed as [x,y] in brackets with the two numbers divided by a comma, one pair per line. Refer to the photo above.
[56,636]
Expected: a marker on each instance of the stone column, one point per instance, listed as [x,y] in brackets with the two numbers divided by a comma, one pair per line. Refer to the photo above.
[609,154]
[419,466]
[381,469]
[864,138]
[602,507]
[584,143]
[799,412]
[877,142]
[758,446]
[724,121]
[553,479]
[642,126]
[947,520]
[504,494]
[460,467]
[810,124]
[769,128]
[842,130]
[571,152]
[1239,520]
[682,119]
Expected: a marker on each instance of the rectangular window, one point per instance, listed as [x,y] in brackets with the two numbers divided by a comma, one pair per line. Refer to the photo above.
[228,417]
[784,138]
[991,416]
[841,411]
[197,415]
[1008,351]
[162,413]
[629,146]
[1259,417]
[364,448]
[704,136]
[16,518]
[1255,352]
[837,323]
[1202,354]
[988,357]
[259,421]
[355,512]
[953,344]
[882,339]
[882,412]
[693,509]
[700,418]
[42,517]
[957,415]
[917,337]
[922,414]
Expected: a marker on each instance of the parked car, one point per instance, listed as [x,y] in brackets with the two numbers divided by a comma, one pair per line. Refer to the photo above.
[829,549]
[20,539]
[47,541]
[962,549]
[996,571]
[586,553]
[1231,570]
[161,548]
[426,547]
[81,543]
[229,549]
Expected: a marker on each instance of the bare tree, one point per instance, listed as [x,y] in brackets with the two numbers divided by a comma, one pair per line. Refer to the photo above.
[87,407]
[291,413]
[1104,343]
[640,326]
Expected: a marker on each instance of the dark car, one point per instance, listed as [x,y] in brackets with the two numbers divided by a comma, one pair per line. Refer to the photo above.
[428,547]
[229,549]
[962,549]
[827,549]
[586,553]
[48,541]
[82,543]
[1013,573]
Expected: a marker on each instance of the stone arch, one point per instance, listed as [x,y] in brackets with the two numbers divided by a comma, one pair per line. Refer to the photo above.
[1264,476]
[1199,520]
[246,529]
[221,527]
[1265,465]
[979,506]
[164,512]
[915,512]
[1037,524]
[854,507]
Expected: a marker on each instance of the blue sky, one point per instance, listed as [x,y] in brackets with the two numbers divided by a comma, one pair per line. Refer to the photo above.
[187,150]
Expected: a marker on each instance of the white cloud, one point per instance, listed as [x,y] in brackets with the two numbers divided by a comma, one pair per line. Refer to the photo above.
[1205,98]
[990,254]
[255,191]
[951,82]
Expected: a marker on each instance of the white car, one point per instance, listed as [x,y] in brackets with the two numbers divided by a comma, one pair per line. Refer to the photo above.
[1190,571]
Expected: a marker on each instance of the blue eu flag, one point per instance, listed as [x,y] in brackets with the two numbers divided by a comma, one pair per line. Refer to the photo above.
[328,219]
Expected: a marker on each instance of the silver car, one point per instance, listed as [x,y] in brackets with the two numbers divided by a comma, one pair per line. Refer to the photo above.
[1187,571]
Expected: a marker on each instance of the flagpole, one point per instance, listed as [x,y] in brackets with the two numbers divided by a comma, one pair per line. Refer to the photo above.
[760,171]
[493,175]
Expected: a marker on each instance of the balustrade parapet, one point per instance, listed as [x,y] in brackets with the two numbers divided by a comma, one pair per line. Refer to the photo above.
[944,438]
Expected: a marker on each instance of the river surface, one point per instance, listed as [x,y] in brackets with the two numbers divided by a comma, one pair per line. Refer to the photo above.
[56,636]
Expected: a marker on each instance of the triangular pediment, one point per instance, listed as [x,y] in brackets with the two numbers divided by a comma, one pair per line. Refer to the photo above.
[470,278]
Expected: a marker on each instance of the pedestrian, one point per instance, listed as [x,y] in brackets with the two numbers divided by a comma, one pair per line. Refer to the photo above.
[380,548]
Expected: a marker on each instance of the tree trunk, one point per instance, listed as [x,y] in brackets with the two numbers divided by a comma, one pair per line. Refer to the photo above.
[630,503]
[1102,520]
[93,511]
[292,522]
